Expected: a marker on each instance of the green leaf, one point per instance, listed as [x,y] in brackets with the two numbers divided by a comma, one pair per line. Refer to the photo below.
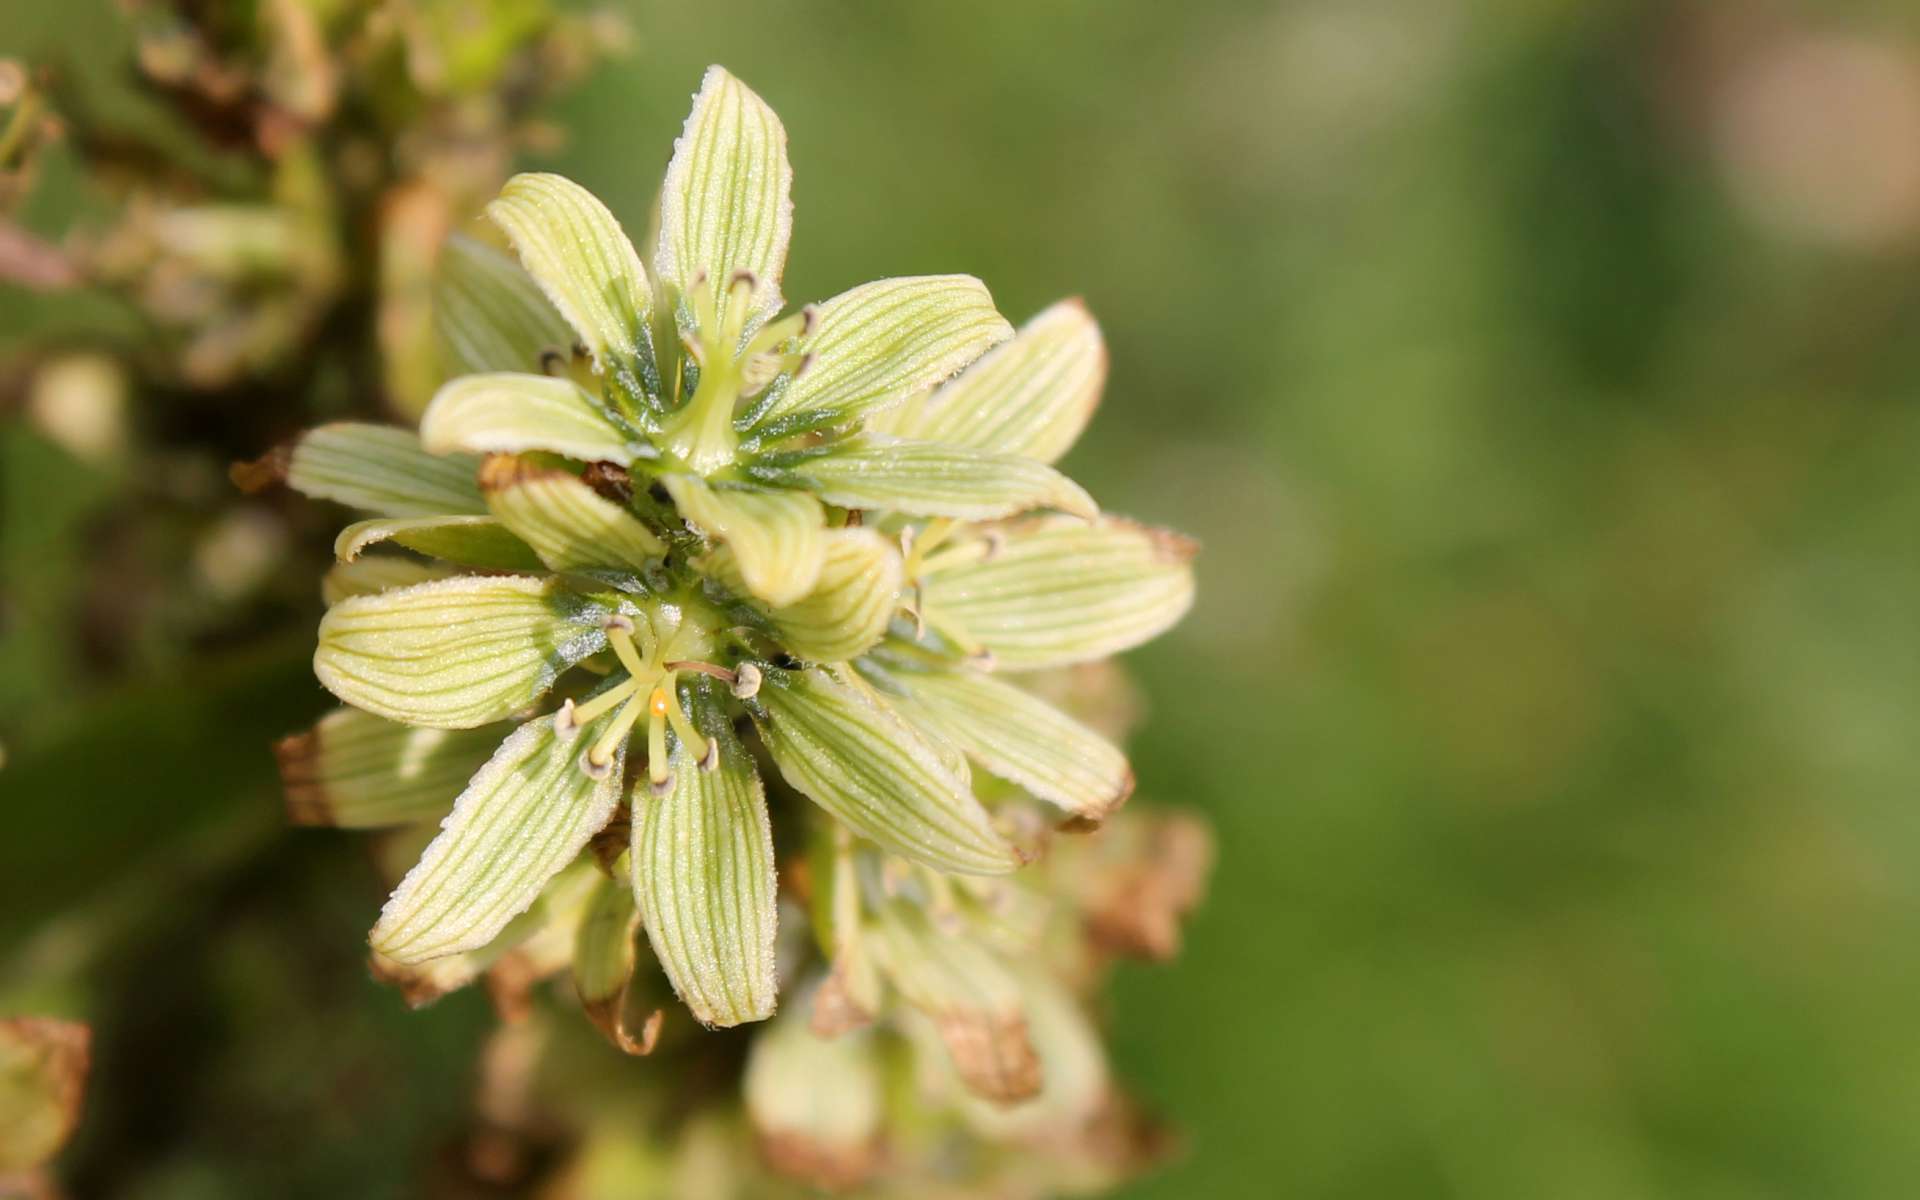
[1021,738]
[481,542]
[353,770]
[511,413]
[1031,396]
[568,524]
[375,573]
[488,314]
[725,205]
[861,762]
[816,1102]
[703,872]
[1054,590]
[522,819]
[603,960]
[879,344]
[849,607]
[972,998]
[576,252]
[927,479]
[455,653]
[43,1077]
[776,537]
[381,470]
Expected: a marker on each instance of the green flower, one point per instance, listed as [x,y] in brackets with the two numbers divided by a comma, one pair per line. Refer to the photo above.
[664,534]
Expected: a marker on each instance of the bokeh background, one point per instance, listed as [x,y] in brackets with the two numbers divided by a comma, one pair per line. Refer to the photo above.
[1543,381]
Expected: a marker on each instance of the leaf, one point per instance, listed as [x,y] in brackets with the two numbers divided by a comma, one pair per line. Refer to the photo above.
[576,252]
[567,523]
[971,996]
[455,653]
[876,345]
[926,479]
[1021,738]
[1030,396]
[488,314]
[815,1102]
[1054,590]
[43,1078]
[353,770]
[861,762]
[511,413]
[381,470]
[603,962]
[523,818]
[467,540]
[703,873]
[375,573]
[777,538]
[725,205]
[848,610]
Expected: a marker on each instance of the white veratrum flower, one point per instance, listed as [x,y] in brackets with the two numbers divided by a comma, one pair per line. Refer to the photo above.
[655,534]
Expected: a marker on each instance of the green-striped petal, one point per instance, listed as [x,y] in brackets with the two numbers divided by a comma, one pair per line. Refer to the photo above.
[375,573]
[849,607]
[576,252]
[879,344]
[522,819]
[354,770]
[776,537]
[511,413]
[861,762]
[455,653]
[603,960]
[1030,396]
[469,541]
[382,470]
[488,314]
[1054,590]
[725,205]
[927,479]
[568,524]
[703,872]
[969,994]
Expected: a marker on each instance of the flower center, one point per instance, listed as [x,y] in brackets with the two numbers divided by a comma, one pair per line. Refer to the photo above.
[701,434]
[650,690]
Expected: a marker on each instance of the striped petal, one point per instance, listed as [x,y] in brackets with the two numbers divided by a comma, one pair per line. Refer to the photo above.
[488,314]
[848,609]
[375,468]
[568,524]
[511,413]
[353,770]
[603,960]
[481,542]
[927,479]
[777,538]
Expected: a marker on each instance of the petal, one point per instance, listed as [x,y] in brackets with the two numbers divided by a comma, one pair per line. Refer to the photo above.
[378,573]
[576,252]
[776,537]
[1021,738]
[379,469]
[879,344]
[726,204]
[568,524]
[861,762]
[509,413]
[848,609]
[422,983]
[524,817]
[815,1102]
[1054,590]
[603,960]
[43,1078]
[971,996]
[1075,1081]
[1030,396]
[353,770]
[468,541]
[488,314]
[703,873]
[455,653]
[927,479]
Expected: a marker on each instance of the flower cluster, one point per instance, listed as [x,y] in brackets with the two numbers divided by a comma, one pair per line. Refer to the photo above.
[684,562]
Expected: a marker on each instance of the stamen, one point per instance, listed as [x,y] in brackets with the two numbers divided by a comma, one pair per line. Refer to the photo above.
[601,754]
[697,744]
[746,684]
[794,325]
[620,637]
[657,771]
[701,668]
[565,726]
[700,301]
[582,714]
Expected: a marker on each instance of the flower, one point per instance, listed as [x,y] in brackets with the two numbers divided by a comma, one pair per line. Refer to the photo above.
[666,532]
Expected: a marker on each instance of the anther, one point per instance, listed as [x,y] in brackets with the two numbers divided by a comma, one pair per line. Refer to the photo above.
[564,726]
[662,786]
[711,758]
[553,362]
[595,770]
[746,683]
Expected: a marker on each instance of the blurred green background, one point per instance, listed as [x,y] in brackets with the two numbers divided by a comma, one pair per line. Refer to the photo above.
[1543,381]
